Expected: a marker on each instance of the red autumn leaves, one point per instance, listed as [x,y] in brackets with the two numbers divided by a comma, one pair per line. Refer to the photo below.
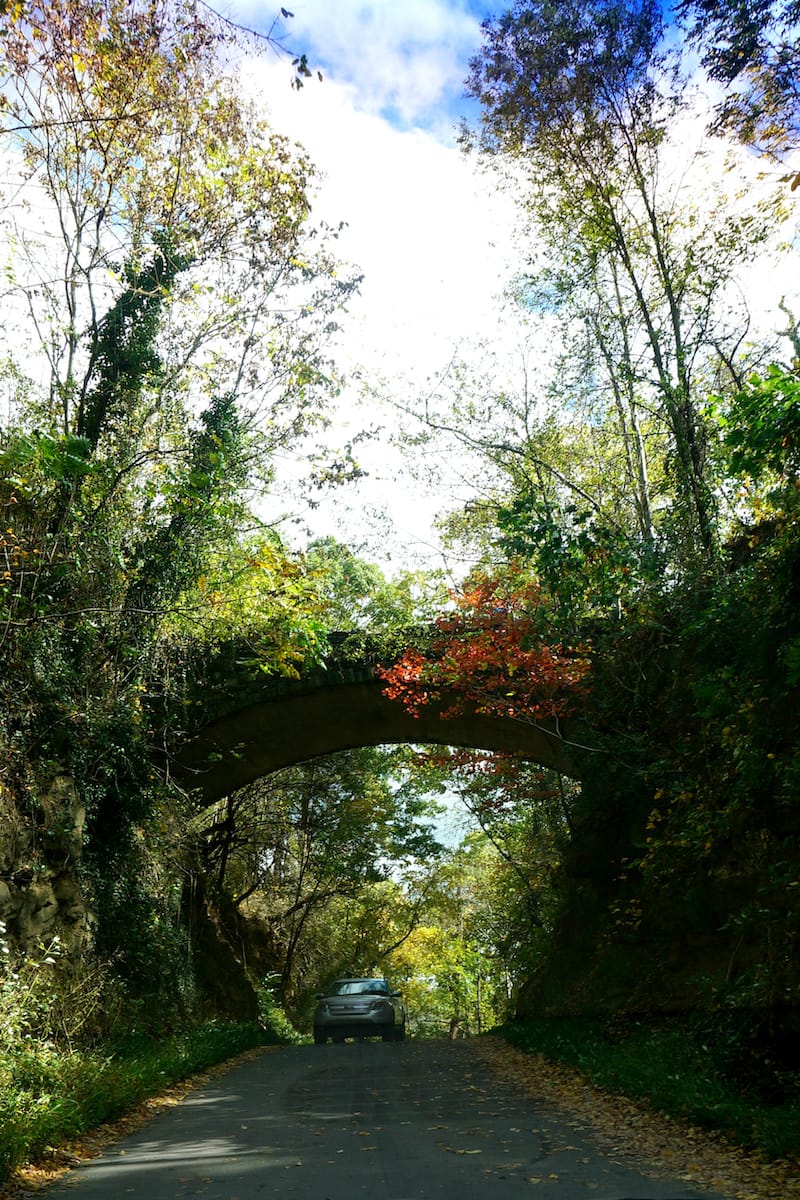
[490,655]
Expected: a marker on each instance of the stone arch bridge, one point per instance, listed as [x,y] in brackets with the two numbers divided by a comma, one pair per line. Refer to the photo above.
[272,724]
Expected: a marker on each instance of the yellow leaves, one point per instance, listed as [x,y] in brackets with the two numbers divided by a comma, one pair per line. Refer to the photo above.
[287,667]
[11,11]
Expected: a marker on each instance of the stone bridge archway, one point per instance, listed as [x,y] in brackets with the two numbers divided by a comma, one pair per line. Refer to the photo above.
[325,714]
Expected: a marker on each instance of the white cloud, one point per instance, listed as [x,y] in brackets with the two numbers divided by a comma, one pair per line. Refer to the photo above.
[431,235]
[406,60]
[432,238]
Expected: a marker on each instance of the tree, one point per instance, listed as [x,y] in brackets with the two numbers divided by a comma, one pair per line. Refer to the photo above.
[174,302]
[761,431]
[152,170]
[752,49]
[525,815]
[357,595]
[458,968]
[557,488]
[579,104]
[491,655]
[174,306]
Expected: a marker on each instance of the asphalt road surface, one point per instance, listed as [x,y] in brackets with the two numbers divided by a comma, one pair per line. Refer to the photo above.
[361,1121]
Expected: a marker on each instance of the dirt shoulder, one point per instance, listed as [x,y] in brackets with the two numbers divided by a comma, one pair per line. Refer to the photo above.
[635,1132]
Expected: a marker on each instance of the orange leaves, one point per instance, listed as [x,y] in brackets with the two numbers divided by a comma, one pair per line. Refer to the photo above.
[404,681]
[490,655]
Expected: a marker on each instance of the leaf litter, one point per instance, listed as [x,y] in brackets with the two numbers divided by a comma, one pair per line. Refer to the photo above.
[632,1130]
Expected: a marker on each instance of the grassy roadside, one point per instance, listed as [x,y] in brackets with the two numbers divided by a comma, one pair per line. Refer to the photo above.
[716,1077]
[49,1097]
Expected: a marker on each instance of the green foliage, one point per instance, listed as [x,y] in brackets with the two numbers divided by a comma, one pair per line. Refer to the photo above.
[50,1096]
[125,358]
[695,772]
[545,63]
[27,992]
[752,50]
[511,868]
[614,484]
[168,366]
[77,1049]
[577,104]
[276,1026]
[481,908]
[130,579]
[25,457]
[309,853]
[356,595]
[585,565]
[448,981]
[760,428]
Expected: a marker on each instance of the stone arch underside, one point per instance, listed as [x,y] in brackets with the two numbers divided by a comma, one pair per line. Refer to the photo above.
[275,733]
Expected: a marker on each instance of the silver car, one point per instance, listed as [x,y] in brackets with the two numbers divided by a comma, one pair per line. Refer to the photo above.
[359,1008]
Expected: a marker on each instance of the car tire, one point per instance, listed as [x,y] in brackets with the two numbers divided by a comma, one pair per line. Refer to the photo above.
[400,1033]
[388,1034]
[320,1037]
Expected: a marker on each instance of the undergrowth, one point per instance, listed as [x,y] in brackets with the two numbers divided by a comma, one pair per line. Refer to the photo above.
[49,1096]
[686,1068]
[74,1054]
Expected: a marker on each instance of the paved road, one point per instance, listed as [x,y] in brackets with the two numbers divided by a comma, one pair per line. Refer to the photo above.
[395,1121]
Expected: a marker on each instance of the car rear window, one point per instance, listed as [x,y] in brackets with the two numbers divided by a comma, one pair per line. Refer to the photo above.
[358,987]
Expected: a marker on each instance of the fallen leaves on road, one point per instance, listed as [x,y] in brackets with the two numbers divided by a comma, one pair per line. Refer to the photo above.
[631,1130]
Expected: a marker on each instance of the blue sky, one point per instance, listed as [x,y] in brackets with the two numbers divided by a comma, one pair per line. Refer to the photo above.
[405,60]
